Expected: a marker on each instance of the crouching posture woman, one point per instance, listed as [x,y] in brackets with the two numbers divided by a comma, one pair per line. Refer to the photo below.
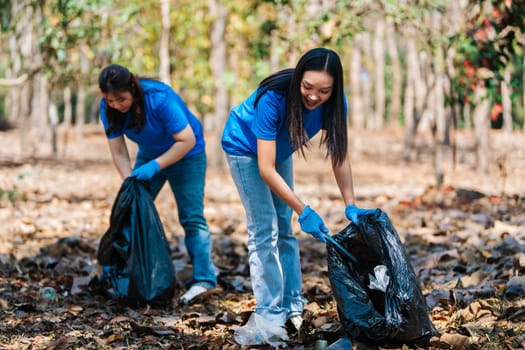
[170,148]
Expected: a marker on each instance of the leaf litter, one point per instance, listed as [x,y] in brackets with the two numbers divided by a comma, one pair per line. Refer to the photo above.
[467,247]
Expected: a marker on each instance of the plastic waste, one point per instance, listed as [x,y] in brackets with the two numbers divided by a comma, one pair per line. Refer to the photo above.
[390,317]
[341,344]
[259,330]
[48,293]
[320,344]
[379,280]
[134,252]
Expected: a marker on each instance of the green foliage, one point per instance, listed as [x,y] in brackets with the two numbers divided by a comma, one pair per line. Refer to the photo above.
[261,36]
[491,43]
[5,15]
[10,195]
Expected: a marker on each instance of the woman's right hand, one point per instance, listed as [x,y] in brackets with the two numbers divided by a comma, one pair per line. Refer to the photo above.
[313,224]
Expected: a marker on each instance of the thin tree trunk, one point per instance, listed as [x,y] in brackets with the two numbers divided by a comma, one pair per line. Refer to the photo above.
[357,113]
[523,84]
[218,67]
[440,117]
[53,122]
[365,80]
[412,73]
[40,107]
[164,54]
[14,96]
[379,74]
[506,98]
[397,77]
[24,46]
[68,119]
[441,122]
[40,96]
[481,116]
[80,110]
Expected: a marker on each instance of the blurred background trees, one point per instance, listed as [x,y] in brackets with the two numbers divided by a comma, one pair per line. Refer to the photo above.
[425,65]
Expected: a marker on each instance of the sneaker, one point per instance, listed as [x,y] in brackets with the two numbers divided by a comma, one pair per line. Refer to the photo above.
[296,321]
[191,294]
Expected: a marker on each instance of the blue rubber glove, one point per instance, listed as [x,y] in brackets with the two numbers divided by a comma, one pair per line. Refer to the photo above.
[353,213]
[312,223]
[147,170]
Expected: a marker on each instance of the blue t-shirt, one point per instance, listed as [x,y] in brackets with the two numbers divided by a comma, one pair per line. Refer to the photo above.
[166,114]
[267,121]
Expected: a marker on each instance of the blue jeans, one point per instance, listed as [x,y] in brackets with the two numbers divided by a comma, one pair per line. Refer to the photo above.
[273,251]
[186,178]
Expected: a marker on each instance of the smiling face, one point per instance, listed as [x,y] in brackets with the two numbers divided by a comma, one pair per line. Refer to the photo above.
[119,100]
[316,88]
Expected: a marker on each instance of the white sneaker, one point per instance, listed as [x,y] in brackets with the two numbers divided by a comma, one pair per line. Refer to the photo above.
[191,294]
[296,321]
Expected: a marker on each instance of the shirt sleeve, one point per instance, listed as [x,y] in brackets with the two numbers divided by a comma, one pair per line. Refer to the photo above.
[269,115]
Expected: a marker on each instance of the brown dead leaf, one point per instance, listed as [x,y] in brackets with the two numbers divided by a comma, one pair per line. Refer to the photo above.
[454,341]
[114,338]
[74,309]
[119,319]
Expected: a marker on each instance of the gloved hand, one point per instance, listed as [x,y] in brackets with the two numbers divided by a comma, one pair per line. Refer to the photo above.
[312,223]
[147,170]
[353,213]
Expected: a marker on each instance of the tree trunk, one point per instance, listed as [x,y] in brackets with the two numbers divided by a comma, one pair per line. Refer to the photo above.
[53,122]
[24,46]
[506,98]
[397,77]
[409,102]
[356,107]
[441,124]
[40,107]
[14,97]
[379,73]
[80,110]
[523,84]
[365,80]
[481,116]
[40,95]
[218,68]
[68,119]
[164,54]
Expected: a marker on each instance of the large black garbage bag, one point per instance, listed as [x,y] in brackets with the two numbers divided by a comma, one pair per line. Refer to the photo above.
[134,251]
[394,317]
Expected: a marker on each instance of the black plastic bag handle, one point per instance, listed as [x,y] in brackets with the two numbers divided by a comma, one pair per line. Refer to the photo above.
[339,247]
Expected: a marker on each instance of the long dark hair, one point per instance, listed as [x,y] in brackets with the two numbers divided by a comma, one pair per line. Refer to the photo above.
[288,81]
[116,78]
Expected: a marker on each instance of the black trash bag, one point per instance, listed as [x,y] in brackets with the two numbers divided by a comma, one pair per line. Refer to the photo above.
[134,252]
[394,317]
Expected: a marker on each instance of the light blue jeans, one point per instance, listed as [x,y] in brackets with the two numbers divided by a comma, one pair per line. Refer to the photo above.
[186,178]
[273,251]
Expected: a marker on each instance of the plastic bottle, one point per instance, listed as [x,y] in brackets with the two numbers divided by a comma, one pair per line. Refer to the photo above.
[48,293]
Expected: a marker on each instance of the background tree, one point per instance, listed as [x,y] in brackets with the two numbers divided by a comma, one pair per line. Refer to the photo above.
[429,66]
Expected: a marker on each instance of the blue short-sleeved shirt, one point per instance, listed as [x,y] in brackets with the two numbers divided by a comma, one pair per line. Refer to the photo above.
[166,114]
[267,121]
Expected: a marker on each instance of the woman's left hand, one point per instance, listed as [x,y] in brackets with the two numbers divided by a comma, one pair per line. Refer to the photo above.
[353,213]
[146,171]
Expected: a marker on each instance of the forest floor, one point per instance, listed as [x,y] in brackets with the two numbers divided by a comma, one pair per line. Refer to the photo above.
[465,240]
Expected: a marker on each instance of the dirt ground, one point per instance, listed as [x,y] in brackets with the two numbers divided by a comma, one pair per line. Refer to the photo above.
[46,197]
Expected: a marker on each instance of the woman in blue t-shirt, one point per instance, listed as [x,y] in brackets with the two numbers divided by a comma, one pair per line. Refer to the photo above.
[260,136]
[170,148]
